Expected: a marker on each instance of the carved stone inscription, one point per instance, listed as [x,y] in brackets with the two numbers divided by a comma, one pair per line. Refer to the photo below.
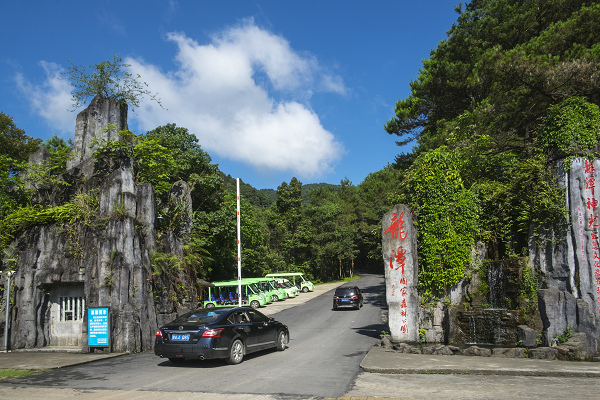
[399,247]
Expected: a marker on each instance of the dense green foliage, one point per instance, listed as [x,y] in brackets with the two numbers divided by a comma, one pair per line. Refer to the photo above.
[448,217]
[512,88]
[504,64]
[154,163]
[80,209]
[573,125]
[15,145]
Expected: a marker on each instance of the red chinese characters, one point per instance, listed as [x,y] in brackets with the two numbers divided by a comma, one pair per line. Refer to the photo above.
[593,222]
[396,229]
[588,167]
[399,257]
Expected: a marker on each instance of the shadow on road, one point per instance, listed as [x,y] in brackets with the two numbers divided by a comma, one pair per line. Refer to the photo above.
[373,330]
[213,363]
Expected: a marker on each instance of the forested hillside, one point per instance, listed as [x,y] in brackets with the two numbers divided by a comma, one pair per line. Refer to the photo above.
[513,87]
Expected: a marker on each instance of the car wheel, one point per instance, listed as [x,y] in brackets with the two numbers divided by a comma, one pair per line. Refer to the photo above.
[254,304]
[236,353]
[275,298]
[281,340]
[305,289]
[176,360]
[210,305]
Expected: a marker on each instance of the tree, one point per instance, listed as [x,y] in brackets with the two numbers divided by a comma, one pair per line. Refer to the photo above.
[194,165]
[155,163]
[60,151]
[15,149]
[108,80]
[15,145]
[504,64]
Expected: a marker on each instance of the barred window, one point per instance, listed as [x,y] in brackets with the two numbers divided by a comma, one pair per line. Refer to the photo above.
[71,308]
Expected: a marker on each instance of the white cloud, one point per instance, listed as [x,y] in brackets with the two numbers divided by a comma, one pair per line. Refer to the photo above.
[216,94]
[224,92]
[52,99]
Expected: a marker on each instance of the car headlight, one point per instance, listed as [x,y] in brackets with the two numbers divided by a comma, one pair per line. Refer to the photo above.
[259,297]
[278,292]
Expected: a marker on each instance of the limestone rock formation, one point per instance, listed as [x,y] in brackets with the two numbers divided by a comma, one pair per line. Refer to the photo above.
[62,270]
[91,124]
[567,256]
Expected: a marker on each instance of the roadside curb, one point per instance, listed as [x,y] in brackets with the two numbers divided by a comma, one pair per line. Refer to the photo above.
[50,360]
[379,360]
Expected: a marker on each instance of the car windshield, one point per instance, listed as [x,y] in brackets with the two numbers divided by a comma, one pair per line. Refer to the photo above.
[199,317]
[344,292]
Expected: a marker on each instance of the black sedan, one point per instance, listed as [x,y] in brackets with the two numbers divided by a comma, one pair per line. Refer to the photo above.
[219,333]
[347,297]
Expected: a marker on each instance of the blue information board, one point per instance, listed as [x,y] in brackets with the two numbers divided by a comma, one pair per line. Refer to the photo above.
[99,327]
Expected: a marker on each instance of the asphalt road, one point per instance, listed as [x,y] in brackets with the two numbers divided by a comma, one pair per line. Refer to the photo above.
[322,358]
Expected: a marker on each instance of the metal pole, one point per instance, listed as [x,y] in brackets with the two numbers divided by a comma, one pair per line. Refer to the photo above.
[239,245]
[8,274]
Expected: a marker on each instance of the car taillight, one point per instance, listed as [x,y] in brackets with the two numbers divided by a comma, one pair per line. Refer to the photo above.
[335,297]
[158,333]
[355,297]
[213,332]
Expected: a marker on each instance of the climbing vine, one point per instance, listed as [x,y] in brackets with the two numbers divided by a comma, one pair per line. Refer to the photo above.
[571,125]
[447,220]
[530,285]
[80,210]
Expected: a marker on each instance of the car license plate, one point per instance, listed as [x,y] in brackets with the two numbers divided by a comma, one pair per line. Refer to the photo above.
[345,300]
[180,338]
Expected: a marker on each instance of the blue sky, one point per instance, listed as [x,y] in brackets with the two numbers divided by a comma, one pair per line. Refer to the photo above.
[272,89]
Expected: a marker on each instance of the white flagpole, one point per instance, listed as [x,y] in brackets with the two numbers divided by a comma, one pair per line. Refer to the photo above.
[239,244]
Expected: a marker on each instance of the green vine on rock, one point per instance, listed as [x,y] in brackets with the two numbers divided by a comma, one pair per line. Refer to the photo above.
[154,163]
[447,220]
[80,210]
[530,285]
[571,126]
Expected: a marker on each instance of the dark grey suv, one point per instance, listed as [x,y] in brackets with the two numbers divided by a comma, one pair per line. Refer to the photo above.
[347,297]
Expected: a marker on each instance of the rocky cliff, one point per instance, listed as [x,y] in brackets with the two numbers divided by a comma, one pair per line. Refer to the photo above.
[62,269]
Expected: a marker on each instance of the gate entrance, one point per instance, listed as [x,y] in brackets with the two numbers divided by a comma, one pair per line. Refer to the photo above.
[66,315]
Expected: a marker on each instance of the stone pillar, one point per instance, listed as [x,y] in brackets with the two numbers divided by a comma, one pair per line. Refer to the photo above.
[399,247]
[584,200]
[90,124]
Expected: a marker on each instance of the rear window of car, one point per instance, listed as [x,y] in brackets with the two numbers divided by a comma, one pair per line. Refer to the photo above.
[344,291]
[199,317]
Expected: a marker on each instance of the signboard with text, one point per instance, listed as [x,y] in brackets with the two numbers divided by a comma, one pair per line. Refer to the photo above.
[98,327]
